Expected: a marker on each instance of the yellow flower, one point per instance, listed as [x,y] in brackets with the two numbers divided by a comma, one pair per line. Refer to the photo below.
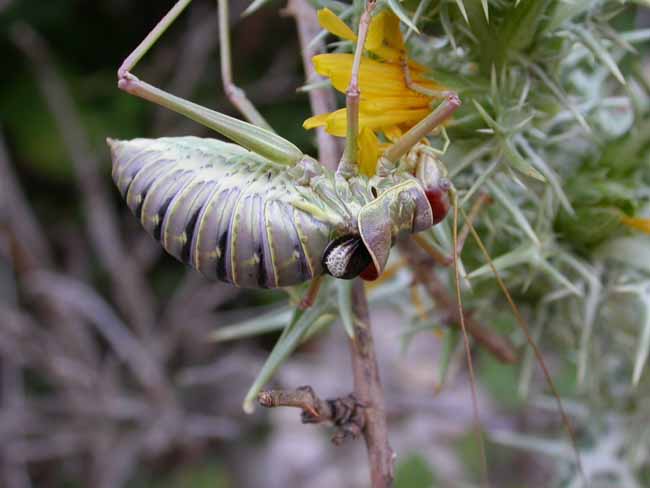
[636,223]
[386,105]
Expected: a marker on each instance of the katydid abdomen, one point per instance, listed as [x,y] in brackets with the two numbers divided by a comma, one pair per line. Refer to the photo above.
[222,209]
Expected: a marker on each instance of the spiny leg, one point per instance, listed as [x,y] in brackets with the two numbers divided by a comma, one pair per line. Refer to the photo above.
[236,95]
[257,139]
[442,259]
[470,364]
[132,59]
[410,138]
[412,85]
[348,165]
[523,325]
[481,202]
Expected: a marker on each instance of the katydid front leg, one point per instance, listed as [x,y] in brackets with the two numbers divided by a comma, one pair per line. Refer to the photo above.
[410,138]
[412,85]
[257,139]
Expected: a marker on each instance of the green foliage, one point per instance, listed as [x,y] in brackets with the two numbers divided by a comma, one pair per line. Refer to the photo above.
[555,128]
[206,475]
[413,471]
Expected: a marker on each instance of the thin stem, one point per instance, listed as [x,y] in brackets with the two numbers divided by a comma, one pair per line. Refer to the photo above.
[348,165]
[28,241]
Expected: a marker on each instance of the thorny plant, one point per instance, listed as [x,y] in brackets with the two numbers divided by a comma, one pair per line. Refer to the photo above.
[557,136]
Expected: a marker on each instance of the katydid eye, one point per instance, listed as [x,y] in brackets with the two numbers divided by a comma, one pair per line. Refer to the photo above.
[439,202]
[346,257]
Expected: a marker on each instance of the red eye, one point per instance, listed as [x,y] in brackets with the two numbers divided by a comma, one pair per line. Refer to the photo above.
[370,273]
[439,204]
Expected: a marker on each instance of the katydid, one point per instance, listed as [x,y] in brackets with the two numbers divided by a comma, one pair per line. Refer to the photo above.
[260,213]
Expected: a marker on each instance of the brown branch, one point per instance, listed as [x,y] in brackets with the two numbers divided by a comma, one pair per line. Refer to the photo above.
[346,413]
[369,391]
[367,384]
[423,267]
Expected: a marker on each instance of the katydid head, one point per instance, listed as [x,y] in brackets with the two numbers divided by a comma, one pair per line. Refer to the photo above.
[405,203]
[432,175]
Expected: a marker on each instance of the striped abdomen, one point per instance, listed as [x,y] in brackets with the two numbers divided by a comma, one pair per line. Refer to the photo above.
[222,209]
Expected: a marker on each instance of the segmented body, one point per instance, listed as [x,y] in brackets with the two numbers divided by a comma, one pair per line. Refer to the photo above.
[238,217]
[225,211]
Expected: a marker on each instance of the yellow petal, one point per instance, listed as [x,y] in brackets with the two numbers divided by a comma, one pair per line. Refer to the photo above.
[375,37]
[393,117]
[391,45]
[316,121]
[375,78]
[637,223]
[392,133]
[368,151]
[387,53]
[392,32]
[331,23]
[337,123]
[381,104]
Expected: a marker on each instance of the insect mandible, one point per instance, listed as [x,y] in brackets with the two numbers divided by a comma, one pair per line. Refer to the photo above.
[260,213]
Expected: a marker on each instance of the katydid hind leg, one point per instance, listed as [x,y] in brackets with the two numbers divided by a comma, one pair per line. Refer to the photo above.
[470,364]
[480,204]
[257,139]
[523,326]
[236,95]
[132,59]
[444,259]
